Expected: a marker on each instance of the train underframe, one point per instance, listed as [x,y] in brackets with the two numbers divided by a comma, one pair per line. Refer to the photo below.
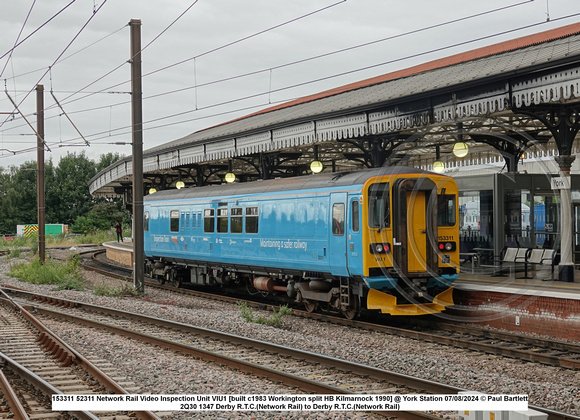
[315,291]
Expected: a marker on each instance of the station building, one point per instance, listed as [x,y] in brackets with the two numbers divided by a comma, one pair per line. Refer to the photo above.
[502,120]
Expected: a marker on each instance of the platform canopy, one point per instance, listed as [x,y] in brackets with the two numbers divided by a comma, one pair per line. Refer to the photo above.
[501,101]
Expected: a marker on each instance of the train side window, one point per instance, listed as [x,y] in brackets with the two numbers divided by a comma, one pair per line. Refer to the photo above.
[355,216]
[222,220]
[446,210]
[208,220]
[174,221]
[237,219]
[146,221]
[379,206]
[252,219]
[338,219]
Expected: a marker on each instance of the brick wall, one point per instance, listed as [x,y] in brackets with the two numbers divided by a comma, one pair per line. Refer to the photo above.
[548,316]
[120,256]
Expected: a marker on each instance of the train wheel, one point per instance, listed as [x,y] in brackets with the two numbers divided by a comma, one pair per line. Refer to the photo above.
[349,313]
[352,311]
[310,306]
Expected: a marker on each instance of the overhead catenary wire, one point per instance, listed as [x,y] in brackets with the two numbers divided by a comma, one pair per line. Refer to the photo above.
[64,101]
[61,54]
[312,80]
[39,137]
[36,30]
[344,73]
[63,59]
[315,80]
[18,37]
[69,119]
[200,55]
[270,69]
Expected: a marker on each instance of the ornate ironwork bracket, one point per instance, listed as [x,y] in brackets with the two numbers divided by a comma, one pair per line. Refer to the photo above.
[376,150]
[510,145]
[563,121]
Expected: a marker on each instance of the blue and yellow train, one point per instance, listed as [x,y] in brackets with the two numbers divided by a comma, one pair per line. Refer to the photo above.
[382,239]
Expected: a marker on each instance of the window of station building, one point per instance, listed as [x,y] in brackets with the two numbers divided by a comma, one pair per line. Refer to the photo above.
[251,219]
[208,220]
[222,220]
[146,221]
[379,206]
[446,210]
[355,215]
[237,221]
[338,219]
[174,221]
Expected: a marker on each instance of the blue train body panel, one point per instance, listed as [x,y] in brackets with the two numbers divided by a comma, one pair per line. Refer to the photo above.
[293,234]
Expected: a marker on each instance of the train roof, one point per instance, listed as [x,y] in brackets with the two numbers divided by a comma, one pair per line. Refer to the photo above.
[328,180]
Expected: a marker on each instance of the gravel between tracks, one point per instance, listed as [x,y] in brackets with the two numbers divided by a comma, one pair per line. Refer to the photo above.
[163,372]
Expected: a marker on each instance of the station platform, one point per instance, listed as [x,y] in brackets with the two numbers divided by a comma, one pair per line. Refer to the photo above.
[528,305]
[120,252]
[517,284]
[531,305]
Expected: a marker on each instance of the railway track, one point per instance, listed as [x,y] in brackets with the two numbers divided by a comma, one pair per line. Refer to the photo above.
[37,364]
[309,372]
[519,346]
[306,371]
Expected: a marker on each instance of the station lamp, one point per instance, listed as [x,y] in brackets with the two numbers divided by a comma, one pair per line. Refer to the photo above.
[230,176]
[460,149]
[438,166]
[152,190]
[316,165]
[179,185]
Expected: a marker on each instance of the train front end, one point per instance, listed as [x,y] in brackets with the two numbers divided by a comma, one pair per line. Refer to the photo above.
[411,241]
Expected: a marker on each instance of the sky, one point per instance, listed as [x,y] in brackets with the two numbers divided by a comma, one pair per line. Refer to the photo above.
[206,62]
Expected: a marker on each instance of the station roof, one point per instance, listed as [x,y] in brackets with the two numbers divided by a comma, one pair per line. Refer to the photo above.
[406,113]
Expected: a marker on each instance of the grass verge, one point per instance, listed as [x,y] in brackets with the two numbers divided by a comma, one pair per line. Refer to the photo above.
[65,275]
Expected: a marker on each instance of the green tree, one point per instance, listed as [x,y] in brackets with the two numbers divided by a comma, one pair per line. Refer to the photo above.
[67,194]
[107,160]
[18,197]
[101,217]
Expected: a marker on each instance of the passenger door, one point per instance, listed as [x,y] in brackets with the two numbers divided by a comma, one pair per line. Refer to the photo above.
[417,231]
[354,249]
[337,235]
[415,226]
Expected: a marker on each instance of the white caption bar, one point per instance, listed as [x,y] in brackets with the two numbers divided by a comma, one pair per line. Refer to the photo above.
[248,402]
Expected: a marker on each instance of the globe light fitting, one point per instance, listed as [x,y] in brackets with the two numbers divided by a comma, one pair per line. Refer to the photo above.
[438,166]
[179,185]
[230,177]
[460,149]
[316,166]
[152,190]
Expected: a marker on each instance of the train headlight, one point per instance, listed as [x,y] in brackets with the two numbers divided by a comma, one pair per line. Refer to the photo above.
[380,248]
[447,246]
